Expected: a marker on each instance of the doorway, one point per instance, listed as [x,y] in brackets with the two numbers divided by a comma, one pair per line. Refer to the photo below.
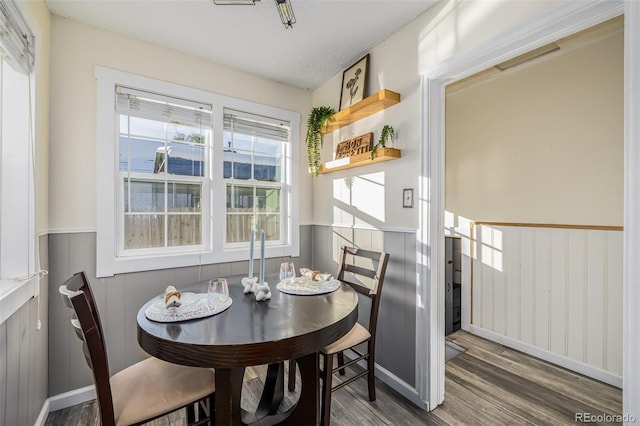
[534,185]
[570,19]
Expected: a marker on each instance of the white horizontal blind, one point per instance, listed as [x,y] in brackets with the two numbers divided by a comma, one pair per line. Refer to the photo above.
[162,108]
[255,125]
[17,43]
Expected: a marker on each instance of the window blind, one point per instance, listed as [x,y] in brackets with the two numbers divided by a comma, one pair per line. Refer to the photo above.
[256,125]
[162,108]
[17,42]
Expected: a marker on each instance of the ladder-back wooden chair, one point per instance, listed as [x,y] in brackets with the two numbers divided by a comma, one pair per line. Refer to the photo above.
[144,391]
[356,265]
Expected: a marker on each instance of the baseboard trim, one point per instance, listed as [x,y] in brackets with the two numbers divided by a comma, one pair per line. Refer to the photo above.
[400,386]
[562,361]
[71,398]
[87,393]
[44,413]
[64,400]
[395,383]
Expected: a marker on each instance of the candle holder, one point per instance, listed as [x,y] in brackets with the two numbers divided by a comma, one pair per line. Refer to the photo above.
[248,283]
[261,291]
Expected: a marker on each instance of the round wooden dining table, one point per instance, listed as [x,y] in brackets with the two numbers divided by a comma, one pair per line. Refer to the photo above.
[286,327]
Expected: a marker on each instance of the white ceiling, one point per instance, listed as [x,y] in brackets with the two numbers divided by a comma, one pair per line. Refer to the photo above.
[328,37]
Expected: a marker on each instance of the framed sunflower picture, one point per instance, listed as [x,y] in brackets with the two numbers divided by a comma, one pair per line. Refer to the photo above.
[354,81]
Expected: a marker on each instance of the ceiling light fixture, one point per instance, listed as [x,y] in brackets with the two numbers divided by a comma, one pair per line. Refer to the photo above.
[286,13]
[235,2]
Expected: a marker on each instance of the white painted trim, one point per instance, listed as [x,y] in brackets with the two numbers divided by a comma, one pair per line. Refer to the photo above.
[87,393]
[394,382]
[213,249]
[64,400]
[562,361]
[400,386]
[631,313]
[566,19]
[368,228]
[44,413]
[71,398]
[14,295]
[71,231]
[430,352]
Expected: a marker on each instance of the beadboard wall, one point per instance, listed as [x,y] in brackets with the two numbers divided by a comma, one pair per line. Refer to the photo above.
[555,291]
[118,299]
[396,337]
[23,358]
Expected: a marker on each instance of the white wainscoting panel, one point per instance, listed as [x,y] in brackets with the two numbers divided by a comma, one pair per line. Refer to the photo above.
[556,289]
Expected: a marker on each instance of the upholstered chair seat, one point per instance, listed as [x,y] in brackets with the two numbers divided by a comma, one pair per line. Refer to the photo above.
[149,388]
[358,334]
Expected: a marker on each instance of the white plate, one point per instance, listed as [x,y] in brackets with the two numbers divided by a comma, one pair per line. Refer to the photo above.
[194,305]
[304,286]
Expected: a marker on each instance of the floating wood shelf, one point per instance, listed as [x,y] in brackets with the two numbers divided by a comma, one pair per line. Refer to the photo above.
[370,105]
[382,154]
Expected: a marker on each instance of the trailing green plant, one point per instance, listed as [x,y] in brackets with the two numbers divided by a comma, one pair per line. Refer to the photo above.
[386,135]
[318,118]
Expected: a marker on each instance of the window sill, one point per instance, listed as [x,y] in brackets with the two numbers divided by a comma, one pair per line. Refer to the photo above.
[13,295]
[110,266]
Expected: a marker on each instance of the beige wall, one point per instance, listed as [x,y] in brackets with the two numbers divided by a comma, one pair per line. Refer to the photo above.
[449,28]
[37,15]
[543,142]
[75,51]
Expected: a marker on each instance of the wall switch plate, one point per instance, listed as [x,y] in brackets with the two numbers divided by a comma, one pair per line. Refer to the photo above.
[407,198]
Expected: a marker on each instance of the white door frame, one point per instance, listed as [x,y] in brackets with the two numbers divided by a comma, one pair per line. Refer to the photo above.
[567,19]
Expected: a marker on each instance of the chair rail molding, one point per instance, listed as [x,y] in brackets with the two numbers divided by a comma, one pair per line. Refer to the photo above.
[564,20]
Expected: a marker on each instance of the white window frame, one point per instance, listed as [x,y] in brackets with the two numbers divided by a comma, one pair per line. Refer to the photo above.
[285,180]
[160,177]
[214,249]
[17,201]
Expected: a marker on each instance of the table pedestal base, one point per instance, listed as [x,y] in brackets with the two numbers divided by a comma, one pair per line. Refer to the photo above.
[305,411]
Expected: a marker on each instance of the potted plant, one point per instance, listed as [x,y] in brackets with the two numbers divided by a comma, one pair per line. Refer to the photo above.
[386,135]
[316,122]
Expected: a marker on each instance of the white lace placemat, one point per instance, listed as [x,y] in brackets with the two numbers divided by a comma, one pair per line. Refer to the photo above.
[194,305]
[304,286]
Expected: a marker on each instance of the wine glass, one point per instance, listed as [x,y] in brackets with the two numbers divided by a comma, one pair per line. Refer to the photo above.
[218,289]
[287,270]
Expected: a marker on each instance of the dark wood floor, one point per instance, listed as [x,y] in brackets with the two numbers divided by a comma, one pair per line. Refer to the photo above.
[488,384]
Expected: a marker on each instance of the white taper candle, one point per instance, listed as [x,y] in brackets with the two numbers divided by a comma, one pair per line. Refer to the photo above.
[251,253]
[261,256]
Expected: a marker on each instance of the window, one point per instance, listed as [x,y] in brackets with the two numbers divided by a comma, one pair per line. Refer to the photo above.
[162,171]
[254,177]
[18,246]
[183,174]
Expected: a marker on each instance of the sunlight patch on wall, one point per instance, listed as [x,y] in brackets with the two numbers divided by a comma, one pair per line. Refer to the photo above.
[459,226]
[491,247]
[368,195]
[359,200]
[342,217]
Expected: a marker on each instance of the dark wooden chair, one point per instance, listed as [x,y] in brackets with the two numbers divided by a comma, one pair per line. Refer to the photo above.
[149,389]
[357,267]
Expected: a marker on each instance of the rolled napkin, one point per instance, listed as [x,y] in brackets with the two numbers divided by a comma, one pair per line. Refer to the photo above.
[172,297]
[315,275]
